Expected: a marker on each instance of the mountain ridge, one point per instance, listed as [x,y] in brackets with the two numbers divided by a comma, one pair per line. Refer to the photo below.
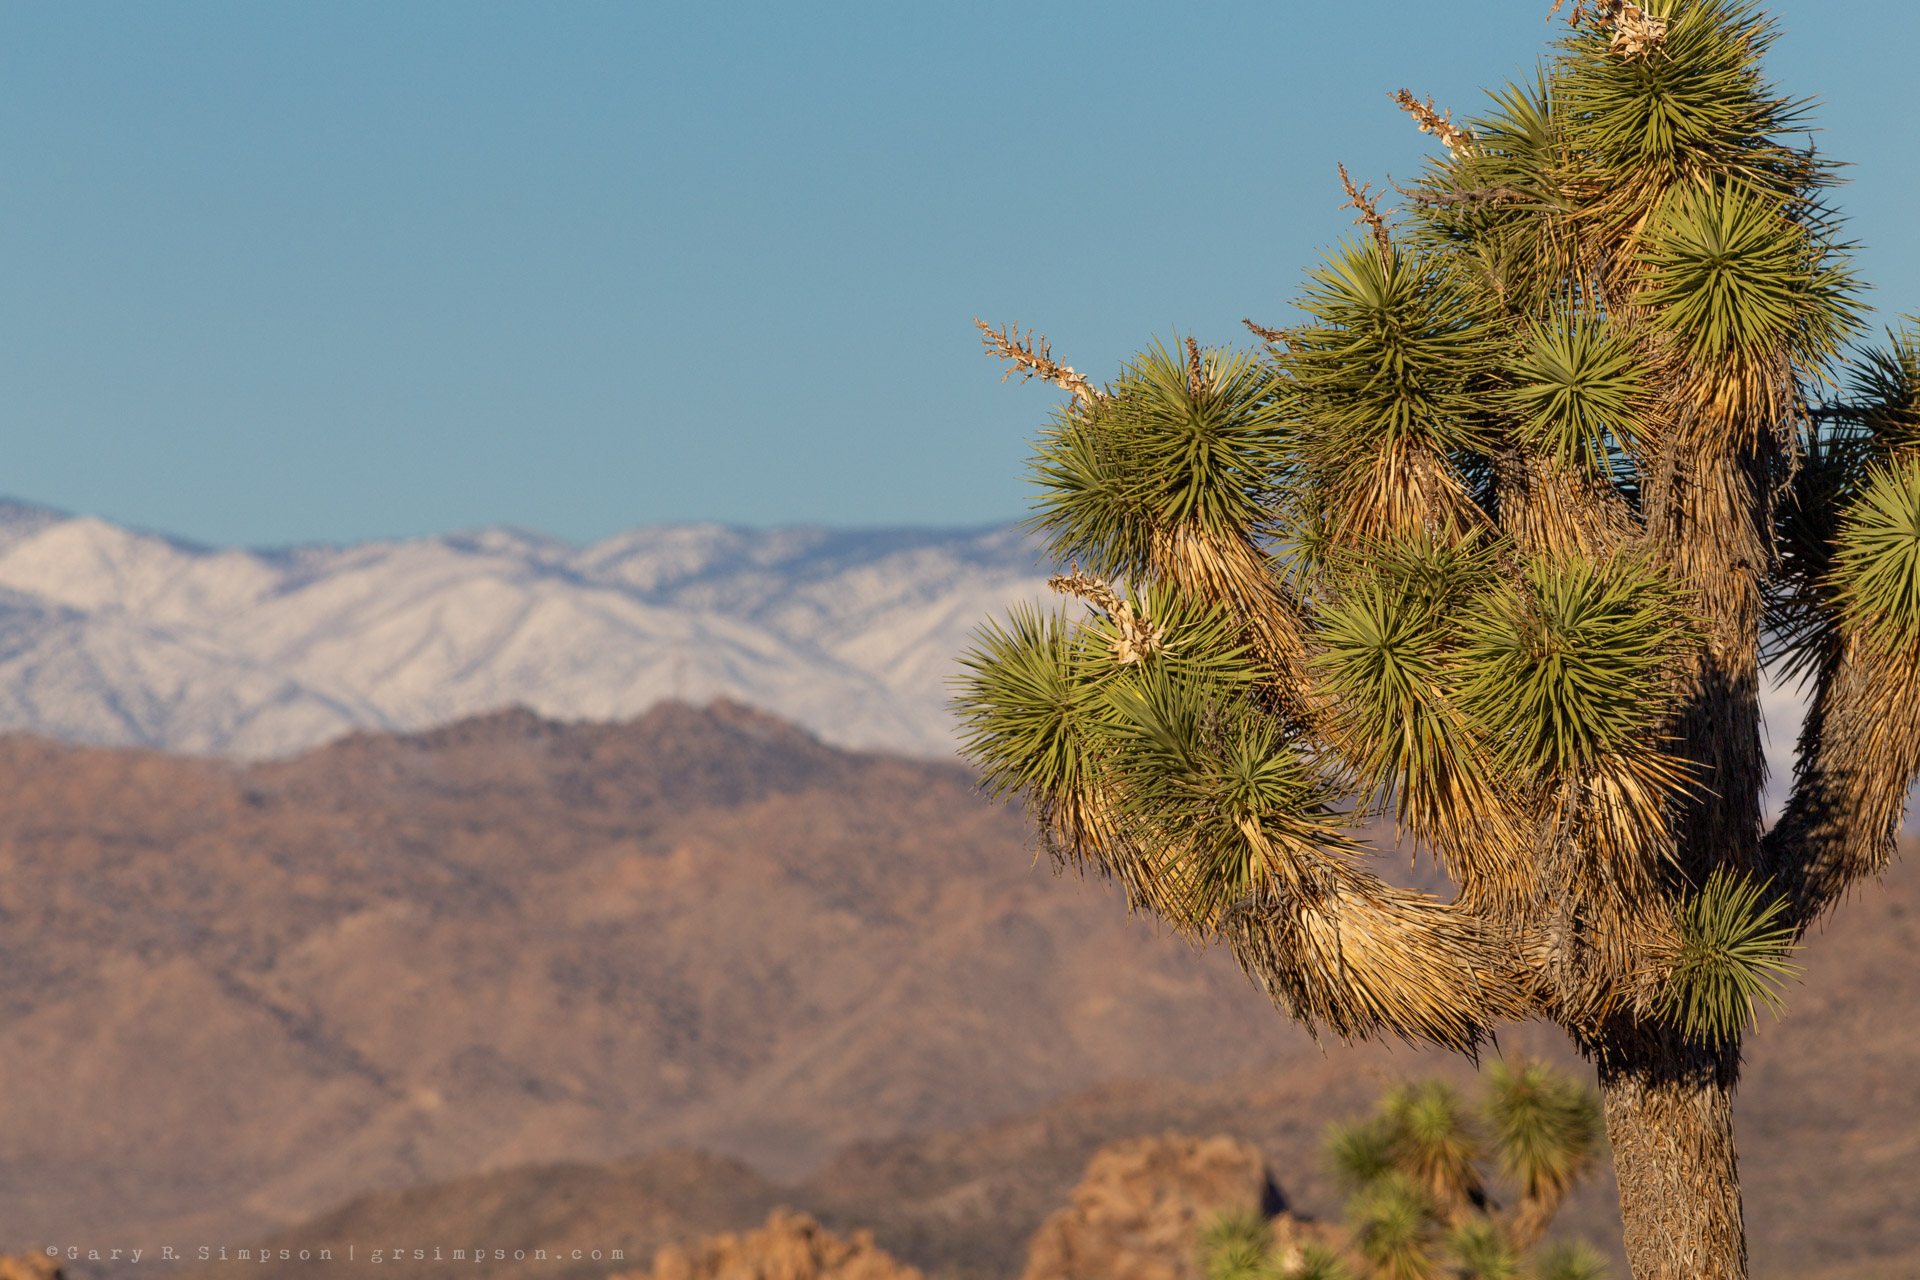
[114,637]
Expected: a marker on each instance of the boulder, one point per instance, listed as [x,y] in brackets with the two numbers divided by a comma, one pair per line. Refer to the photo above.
[792,1246]
[1142,1203]
[29,1266]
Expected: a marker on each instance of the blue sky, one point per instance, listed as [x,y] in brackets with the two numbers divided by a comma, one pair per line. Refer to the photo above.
[286,273]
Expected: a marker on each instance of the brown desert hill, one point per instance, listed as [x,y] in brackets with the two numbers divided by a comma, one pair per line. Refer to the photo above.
[238,995]
[1829,1120]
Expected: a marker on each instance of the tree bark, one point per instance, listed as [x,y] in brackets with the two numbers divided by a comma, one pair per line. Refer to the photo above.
[1669,1107]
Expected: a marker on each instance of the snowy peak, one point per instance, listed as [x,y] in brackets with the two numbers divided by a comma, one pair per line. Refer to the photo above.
[117,637]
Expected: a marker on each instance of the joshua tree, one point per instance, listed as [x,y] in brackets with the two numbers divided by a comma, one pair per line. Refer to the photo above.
[1495,542]
[1418,1204]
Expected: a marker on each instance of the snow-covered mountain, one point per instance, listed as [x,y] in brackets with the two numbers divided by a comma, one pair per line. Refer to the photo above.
[113,636]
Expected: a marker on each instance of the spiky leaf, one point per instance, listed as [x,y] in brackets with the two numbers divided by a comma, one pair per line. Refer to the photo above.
[1317,1262]
[1735,274]
[1234,1246]
[1477,1251]
[1877,568]
[1735,951]
[1546,1133]
[1544,1128]
[1697,107]
[1566,666]
[1436,1141]
[1571,1260]
[1886,390]
[1221,796]
[1025,703]
[1361,1152]
[1379,385]
[1394,1225]
[1575,389]
[1813,601]
[1194,442]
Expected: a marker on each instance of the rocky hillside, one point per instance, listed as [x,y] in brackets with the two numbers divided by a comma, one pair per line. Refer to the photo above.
[1139,1211]
[237,996]
[1828,1120]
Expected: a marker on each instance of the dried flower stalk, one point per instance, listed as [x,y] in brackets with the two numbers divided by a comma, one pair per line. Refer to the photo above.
[1031,357]
[1369,213]
[1458,141]
[1138,637]
[1272,337]
[1636,33]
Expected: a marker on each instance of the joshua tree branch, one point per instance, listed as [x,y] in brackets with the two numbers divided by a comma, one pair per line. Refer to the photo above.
[1478,195]
[1859,752]
[1362,958]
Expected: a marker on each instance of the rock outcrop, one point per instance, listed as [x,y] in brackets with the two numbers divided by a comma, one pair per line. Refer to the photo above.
[792,1246]
[1137,1213]
[29,1266]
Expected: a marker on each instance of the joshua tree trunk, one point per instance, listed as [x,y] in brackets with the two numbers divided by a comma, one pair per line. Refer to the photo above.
[1669,1107]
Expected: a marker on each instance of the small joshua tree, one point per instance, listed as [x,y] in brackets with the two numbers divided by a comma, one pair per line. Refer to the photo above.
[1419,1206]
[1495,541]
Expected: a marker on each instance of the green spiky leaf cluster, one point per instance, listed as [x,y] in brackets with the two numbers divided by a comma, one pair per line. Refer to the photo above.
[1886,391]
[1566,666]
[1174,749]
[1877,568]
[1039,691]
[1544,1129]
[1735,954]
[1571,1260]
[1394,1228]
[1478,1251]
[1386,662]
[1842,551]
[1236,1246]
[1461,668]
[1387,361]
[1735,273]
[1700,109]
[1576,389]
[1162,449]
